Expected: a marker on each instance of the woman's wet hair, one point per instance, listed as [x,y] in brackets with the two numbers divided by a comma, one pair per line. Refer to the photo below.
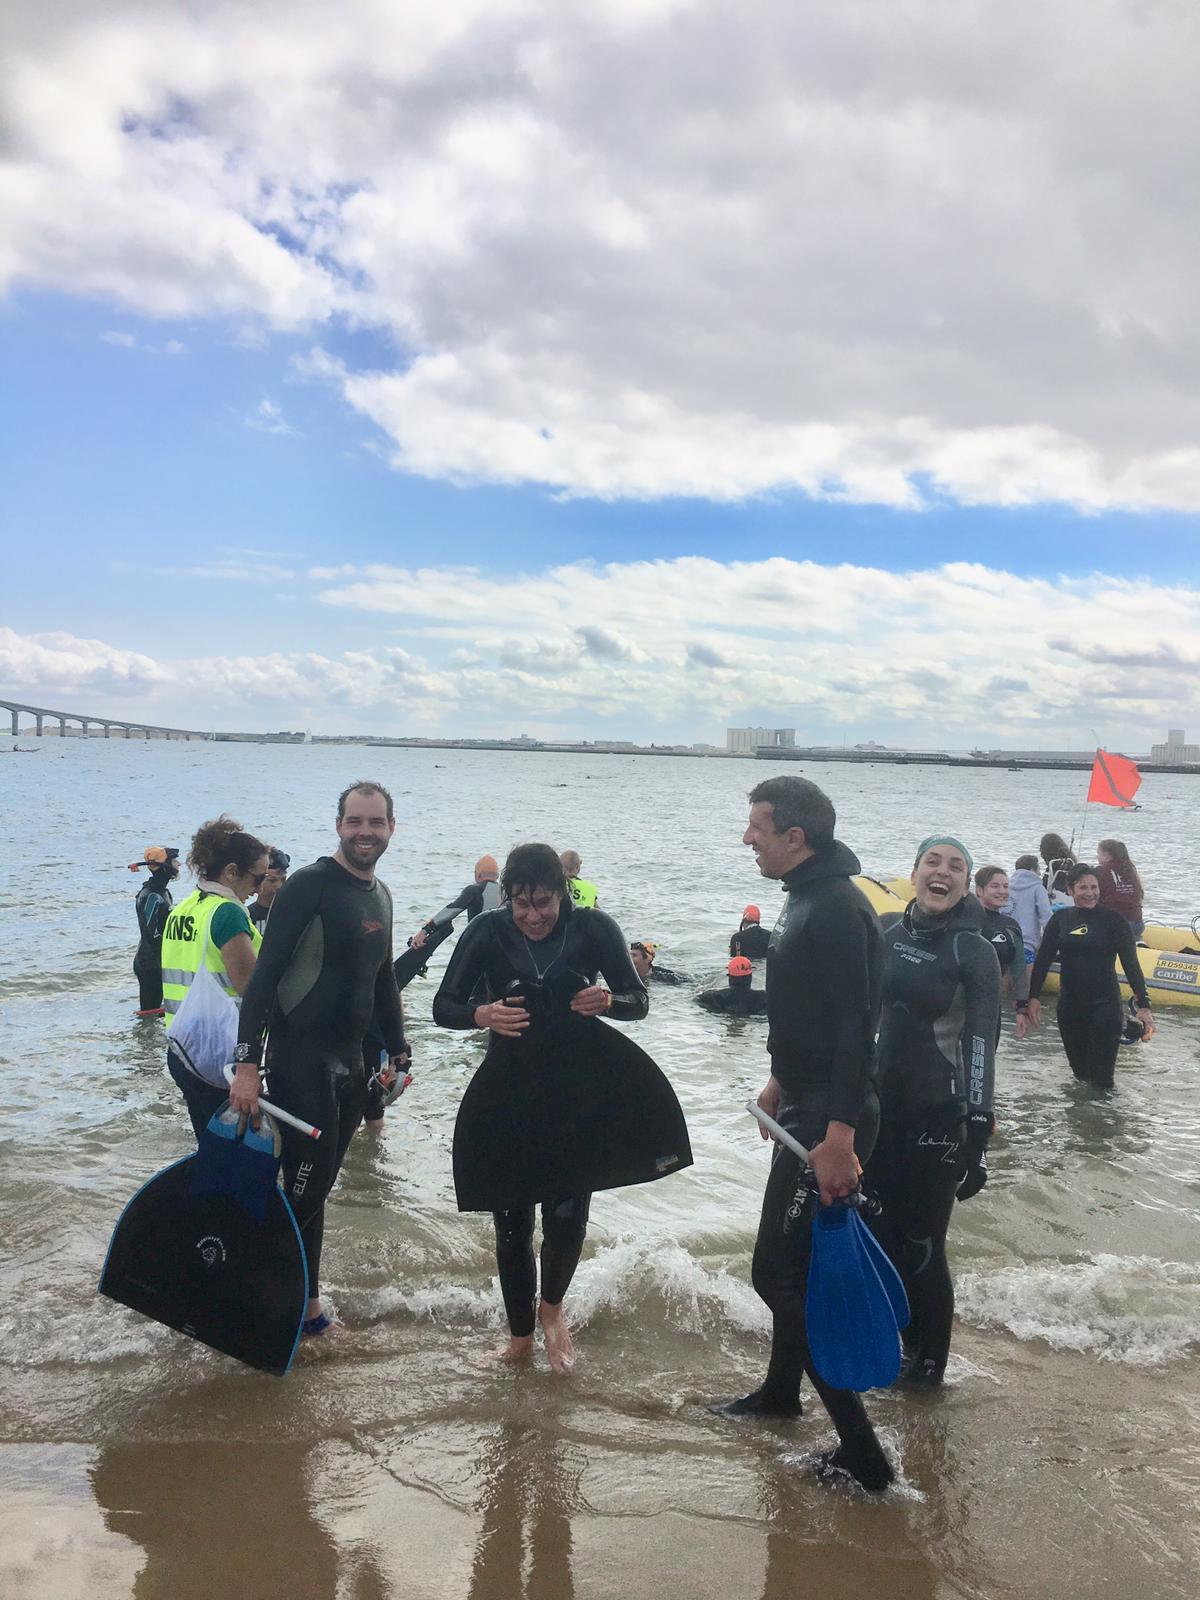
[985,875]
[1081,870]
[1055,848]
[222,843]
[530,867]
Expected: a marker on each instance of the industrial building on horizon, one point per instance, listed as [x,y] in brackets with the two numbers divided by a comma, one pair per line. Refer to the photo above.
[745,741]
[1175,753]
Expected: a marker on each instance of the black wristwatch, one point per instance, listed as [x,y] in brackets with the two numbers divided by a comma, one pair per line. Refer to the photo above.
[244,1052]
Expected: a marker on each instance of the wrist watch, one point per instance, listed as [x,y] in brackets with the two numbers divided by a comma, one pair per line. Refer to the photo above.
[244,1052]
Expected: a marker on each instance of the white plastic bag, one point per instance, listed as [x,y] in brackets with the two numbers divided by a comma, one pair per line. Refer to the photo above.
[205,1029]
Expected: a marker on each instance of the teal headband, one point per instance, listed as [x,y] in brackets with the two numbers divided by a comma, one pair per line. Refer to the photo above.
[945,838]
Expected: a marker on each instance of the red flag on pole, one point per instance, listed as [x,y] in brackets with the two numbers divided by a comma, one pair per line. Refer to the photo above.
[1115,781]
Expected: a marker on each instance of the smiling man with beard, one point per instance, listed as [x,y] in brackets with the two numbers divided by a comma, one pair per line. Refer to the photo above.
[324,970]
[823,994]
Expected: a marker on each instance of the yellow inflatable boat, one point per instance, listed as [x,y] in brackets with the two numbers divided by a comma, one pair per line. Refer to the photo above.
[1170,957]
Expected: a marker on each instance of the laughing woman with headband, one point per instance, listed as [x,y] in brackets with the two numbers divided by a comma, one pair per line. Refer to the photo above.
[937,1043]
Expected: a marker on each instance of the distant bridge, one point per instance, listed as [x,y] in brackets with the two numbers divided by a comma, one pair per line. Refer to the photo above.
[42,714]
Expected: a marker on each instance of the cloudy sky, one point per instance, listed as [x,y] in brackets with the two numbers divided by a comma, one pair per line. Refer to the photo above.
[625,369]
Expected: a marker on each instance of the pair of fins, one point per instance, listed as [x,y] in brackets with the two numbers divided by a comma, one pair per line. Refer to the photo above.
[211,1248]
[856,1304]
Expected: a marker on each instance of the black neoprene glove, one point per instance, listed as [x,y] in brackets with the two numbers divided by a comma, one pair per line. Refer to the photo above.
[978,1130]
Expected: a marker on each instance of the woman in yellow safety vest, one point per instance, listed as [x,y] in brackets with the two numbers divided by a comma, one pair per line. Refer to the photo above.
[212,922]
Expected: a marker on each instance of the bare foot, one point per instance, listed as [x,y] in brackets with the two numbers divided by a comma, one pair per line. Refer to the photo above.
[517,1351]
[373,1123]
[559,1350]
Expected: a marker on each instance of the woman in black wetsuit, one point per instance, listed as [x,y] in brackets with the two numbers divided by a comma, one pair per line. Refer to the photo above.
[937,1040]
[1086,940]
[561,1105]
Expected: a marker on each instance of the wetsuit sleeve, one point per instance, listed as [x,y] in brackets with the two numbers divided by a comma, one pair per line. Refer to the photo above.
[293,908]
[461,902]
[453,1006]
[609,949]
[840,959]
[1047,951]
[1127,950]
[664,975]
[980,973]
[714,999]
[389,1009]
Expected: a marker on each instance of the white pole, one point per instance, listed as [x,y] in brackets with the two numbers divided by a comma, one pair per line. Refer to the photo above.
[279,1114]
[780,1135]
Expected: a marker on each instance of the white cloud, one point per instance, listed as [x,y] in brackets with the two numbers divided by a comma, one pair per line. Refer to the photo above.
[129,341]
[644,250]
[268,418]
[948,657]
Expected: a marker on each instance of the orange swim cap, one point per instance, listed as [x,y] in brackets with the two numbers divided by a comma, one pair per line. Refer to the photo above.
[740,967]
[751,914]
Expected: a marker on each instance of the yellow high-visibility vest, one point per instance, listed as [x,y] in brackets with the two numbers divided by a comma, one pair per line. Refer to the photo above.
[582,892]
[183,939]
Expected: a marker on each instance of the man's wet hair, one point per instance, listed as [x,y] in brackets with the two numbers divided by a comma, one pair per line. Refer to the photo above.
[798,803]
[366,787]
[530,867]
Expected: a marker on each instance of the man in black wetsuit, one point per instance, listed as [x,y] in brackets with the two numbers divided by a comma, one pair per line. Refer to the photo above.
[1086,940]
[151,906]
[823,995]
[644,954]
[259,909]
[752,939]
[481,894]
[738,998]
[325,968]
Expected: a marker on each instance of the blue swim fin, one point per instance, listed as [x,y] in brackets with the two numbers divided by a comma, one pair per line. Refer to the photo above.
[893,1283]
[852,1325]
[235,1159]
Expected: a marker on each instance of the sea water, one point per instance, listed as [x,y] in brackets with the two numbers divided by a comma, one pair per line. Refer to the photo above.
[396,1458]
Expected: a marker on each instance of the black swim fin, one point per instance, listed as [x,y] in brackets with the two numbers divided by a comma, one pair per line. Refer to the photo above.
[853,1331]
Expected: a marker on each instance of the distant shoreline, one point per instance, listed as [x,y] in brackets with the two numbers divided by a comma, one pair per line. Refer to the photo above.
[814,753]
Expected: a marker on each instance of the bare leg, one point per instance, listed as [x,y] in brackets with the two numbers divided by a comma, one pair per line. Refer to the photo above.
[560,1351]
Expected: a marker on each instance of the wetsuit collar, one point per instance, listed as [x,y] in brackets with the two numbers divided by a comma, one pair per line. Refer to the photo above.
[967,914]
[835,861]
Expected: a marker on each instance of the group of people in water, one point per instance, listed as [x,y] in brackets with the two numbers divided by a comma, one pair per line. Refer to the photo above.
[881,1049]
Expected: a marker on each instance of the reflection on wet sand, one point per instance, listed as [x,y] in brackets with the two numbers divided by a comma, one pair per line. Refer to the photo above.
[209,1531]
[529,1489]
